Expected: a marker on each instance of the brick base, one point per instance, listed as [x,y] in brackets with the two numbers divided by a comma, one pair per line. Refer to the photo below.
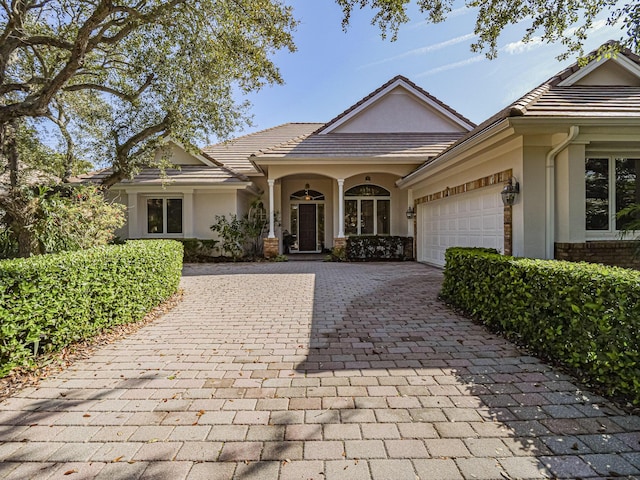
[340,242]
[271,247]
[618,253]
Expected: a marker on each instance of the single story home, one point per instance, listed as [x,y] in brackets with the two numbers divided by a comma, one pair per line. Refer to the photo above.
[401,162]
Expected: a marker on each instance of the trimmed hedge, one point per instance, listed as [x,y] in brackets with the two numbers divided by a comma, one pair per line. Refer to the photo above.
[376,248]
[50,301]
[584,316]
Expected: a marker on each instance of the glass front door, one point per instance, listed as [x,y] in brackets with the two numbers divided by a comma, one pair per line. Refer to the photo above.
[307,227]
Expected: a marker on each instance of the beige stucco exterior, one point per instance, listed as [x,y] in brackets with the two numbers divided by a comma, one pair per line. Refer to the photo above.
[542,147]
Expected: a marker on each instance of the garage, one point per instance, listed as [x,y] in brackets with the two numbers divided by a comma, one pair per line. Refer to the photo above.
[472,219]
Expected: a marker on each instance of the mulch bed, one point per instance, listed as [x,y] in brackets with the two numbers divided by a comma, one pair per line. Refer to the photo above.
[46,365]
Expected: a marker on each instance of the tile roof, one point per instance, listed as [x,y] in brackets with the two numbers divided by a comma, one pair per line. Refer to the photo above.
[235,153]
[349,145]
[587,101]
[381,88]
[552,101]
[187,174]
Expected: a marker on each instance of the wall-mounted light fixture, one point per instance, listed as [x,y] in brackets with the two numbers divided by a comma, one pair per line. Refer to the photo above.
[510,191]
[306,192]
[411,213]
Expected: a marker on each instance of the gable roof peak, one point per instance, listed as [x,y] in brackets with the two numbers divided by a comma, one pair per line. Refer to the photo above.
[608,51]
[398,80]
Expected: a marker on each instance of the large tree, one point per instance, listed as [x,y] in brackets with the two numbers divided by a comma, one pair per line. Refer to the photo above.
[117,76]
[135,70]
[565,21]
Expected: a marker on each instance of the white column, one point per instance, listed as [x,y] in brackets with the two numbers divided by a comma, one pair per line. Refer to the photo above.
[187,218]
[410,222]
[132,214]
[272,233]
[340,207]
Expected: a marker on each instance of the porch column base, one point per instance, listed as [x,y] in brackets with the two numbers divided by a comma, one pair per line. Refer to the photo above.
[271,247]
[340,242]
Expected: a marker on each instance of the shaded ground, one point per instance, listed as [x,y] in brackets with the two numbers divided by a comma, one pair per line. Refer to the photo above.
[313,370]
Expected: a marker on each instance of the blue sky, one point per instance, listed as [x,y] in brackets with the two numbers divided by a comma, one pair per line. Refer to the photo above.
[332,70]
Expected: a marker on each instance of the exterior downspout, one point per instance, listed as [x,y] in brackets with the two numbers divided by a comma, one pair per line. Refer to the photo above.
[551,186]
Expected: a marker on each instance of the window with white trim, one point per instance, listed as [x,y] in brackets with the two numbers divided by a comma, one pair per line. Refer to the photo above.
[367,210]
[611,184]
[164,216]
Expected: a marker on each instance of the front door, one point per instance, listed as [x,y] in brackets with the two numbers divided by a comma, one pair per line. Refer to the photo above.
[307,224]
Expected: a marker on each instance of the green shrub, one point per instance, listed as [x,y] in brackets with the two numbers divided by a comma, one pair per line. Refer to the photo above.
[338,254]
[584,316]
[375,247]
[196,250]
[56,218]
[50,301]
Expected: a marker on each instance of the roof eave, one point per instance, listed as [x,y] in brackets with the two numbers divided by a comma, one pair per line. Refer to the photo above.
[186,185]
[377,160]
[483,135]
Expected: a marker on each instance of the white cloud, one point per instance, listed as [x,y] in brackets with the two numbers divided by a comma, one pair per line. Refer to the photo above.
[451,66]
[424,50]
[516,48]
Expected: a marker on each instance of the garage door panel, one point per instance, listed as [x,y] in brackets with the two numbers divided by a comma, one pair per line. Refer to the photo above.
[473,219]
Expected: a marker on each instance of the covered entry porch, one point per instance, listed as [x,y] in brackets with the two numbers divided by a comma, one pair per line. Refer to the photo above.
[313,213]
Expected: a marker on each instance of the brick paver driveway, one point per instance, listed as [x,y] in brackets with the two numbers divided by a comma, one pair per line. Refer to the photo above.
[313,371]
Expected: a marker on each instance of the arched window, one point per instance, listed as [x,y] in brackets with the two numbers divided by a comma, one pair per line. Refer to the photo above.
[367,210]
[307,195]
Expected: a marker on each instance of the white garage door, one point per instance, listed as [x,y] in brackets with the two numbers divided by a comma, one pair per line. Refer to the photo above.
[473,219]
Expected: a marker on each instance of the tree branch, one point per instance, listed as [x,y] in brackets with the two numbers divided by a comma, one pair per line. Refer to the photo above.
[62,122]
[48,41]
[122,164]
[103,88]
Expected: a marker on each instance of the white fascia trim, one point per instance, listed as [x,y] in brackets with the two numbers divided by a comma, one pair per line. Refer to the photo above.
[171,189]
[382,93]
[621,60]
[419,174]
[348,161]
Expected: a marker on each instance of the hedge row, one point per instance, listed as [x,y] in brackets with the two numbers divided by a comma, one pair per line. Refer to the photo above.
[379,247]
[584,316]
[50,301]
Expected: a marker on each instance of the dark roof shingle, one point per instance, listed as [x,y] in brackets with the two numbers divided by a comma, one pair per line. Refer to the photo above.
[345,145]
[235,153]
[187,174]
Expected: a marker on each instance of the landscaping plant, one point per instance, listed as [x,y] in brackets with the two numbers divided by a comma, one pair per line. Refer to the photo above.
[583,316]
[50,301]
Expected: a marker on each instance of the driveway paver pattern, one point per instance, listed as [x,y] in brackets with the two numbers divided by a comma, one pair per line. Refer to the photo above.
[311,370]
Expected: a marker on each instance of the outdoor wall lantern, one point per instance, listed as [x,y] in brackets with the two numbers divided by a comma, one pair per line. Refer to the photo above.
[411,213]
[510,191]
[307,197]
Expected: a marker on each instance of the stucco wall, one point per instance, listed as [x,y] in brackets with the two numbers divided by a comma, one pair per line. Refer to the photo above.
[199,210]
[399,112]
[206,206]
[115,196]
[486,162]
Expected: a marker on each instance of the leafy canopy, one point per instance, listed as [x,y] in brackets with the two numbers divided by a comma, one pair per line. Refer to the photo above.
[567,22]
[117,77]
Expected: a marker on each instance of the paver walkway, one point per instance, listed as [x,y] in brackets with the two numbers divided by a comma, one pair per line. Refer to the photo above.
[308,370]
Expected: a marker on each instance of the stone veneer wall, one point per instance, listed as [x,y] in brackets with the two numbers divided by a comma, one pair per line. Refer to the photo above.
[271,247]
[619,253]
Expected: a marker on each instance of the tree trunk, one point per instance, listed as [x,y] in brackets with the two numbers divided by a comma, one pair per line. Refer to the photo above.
[11,151]
[18,209]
